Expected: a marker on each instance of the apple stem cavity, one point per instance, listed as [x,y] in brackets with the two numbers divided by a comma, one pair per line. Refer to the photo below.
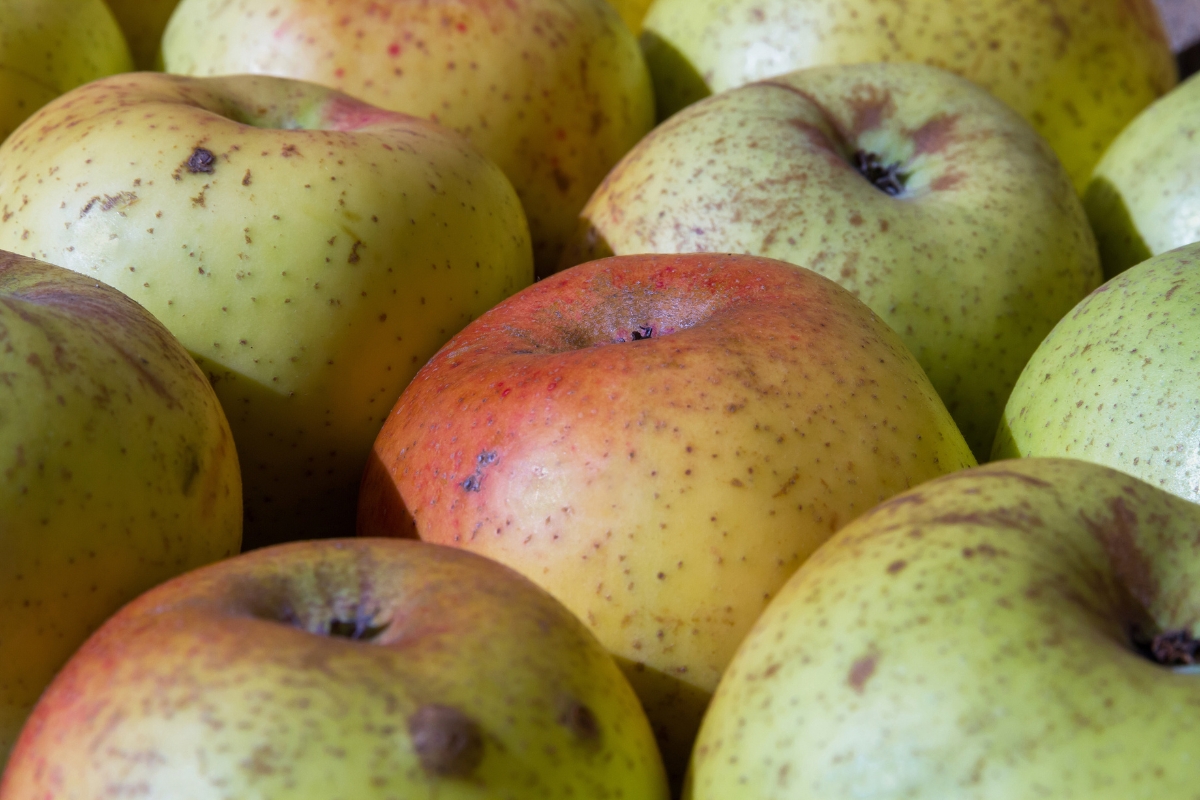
[447,741]
[1172,649]
[887,178]
[359,628]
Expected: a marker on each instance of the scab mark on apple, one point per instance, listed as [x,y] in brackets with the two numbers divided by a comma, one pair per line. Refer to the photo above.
[448,742]
[861,671]
[474,481]
[201,160]
[579,720]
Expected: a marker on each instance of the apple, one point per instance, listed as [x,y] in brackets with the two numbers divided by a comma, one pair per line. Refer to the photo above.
[1144,197]
[117,469]
[310,251]
[143,22]
[1181,18]
[553,91]
[918,191]
[357,669]
[1078,70]
[48,47]
[1115,382]
[660,441]
[1016,630]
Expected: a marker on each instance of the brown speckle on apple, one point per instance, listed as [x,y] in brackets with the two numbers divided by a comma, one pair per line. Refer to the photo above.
[447,741]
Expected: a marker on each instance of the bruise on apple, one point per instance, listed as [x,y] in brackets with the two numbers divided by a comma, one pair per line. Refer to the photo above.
[448,742]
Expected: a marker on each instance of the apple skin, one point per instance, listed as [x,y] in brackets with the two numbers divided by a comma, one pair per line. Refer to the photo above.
[632,12]
[117,469]
[981,253]
[1078,70]
[1144,195]
[663,489]
[143,22]
[310,271]
[1115,382]
[48,47]
[553,91]
[336,669]
[976,637]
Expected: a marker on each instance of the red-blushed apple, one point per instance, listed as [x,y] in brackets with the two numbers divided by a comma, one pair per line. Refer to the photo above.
[117,469]
[365,669]
[660,441]
[553,91]
[310,250]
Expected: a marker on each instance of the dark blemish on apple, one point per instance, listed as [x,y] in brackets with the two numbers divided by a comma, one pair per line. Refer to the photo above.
[887,178]
[562,180]
[896,566]
[448,742]
[246,178]
[579,720]
[201,160]
[354,256]
[861,671]
[642,332]
[474,481]
[191,468]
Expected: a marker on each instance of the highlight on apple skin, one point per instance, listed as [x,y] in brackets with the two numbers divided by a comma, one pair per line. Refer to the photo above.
[660,441]
[1016,630]
[366,669]
[311,252]
[117,469]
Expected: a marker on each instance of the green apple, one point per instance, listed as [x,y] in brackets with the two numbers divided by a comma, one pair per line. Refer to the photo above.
[48,47]
[660,441]
[143,22]
[1144,196]
[354,669]
[1116,382]
[1018,630]
[918,191]
[553,91]
[1078,70]
[311,251]
[117,469]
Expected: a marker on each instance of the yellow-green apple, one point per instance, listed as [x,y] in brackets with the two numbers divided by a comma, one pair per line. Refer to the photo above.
[1016,630]
[311,251]
[1078,70]
[1116,383]
[117,469]
[918,191]
[359,669]
[1144,196]
[553,91]
[48,47]
[143,22]
[660,441]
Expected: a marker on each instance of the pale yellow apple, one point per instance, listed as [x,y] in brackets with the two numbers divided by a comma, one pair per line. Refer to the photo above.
[117,469]
[1078,70]
[553,91]
[632,11]
[921,193]
[48,47]
[310,250]
[1020,630]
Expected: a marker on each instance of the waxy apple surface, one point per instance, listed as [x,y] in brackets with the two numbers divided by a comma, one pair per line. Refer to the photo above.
[660,441]
[359,669]
[553,91]
[1017,630]
[311,251]
[1077,70]
[117,469]
[1116,383]
[930,200]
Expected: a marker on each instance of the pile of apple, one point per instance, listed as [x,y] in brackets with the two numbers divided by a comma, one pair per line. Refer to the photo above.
[691,320]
